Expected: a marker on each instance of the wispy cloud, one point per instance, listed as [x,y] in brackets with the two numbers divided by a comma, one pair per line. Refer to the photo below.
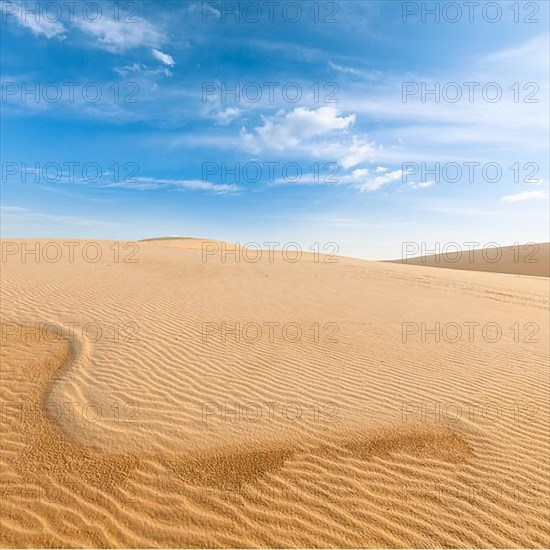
[148,183]
[22,215]
[364,179]
[29,20]
[289,49]
[223,114]
[421,184]
[356,152]
[119,36]
[436,126]
[524,196]
[163,57]
[353,71]
[110,180]
[142,70]
[113,36]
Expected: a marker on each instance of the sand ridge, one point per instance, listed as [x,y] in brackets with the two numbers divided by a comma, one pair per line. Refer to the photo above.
[51,455]
[531,259]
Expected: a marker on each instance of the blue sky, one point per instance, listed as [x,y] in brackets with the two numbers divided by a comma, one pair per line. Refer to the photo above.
[161,141]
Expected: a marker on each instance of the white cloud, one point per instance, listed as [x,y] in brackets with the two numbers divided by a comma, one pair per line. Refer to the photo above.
[289,130]
[142,69]
[118,36]
[356,152]
[24,215]
[146,184]
[319,133]
[375,183]
[525,196]
[363,172]
[163,57]
[133,68]
[353,71]
[363,180]
[211,10]
[226,116]
[421,184]
[35,23]
[343,69]
[113,36]
[215,109]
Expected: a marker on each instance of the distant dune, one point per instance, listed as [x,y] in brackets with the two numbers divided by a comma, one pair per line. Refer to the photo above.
[169,238]
[157,396]
[187,242]
[530,259]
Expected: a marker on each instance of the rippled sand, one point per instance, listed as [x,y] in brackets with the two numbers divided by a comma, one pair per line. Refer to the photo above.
[330,418]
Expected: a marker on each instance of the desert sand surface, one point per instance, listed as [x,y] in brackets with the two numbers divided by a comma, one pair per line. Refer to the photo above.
[153,396]
[521,259]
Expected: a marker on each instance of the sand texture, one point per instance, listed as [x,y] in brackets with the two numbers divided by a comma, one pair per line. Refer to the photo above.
[134,415]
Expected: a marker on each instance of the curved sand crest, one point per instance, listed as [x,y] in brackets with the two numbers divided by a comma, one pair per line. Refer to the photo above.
[381,475]
[43,461]
[530,259]
[47,460]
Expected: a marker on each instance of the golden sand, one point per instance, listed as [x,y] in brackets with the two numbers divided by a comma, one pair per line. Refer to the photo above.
[377,406]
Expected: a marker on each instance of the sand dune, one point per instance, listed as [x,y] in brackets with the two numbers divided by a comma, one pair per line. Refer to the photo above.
[530,259]
[154,395]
